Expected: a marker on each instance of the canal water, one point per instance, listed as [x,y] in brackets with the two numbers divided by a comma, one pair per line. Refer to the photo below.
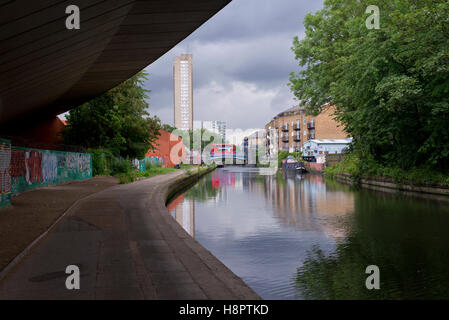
[291,236]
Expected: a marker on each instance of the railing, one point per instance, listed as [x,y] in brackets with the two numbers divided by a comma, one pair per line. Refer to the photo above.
[297,138]
[285,139]
[311,136]
[311,125]
[297,127]
[285,128]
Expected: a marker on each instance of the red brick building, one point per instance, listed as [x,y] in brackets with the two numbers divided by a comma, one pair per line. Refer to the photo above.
[169,149]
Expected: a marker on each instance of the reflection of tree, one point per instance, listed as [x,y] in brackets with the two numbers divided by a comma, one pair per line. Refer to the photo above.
[260,179]
[202,191]
[406,239]
[281,177]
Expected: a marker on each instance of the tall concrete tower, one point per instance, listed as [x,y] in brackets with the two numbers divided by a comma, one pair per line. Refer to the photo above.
[183,92]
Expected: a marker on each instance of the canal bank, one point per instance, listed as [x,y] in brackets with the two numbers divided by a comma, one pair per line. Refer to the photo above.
[126,246]
[389,185]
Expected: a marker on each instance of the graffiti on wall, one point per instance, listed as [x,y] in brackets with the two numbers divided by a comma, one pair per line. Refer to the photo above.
[5,177]
[24,169]
[49,167]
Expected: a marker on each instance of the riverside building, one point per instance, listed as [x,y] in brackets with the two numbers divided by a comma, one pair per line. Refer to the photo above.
[292,128]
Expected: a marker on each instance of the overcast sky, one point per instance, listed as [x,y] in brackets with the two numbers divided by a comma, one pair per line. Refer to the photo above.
[241,62]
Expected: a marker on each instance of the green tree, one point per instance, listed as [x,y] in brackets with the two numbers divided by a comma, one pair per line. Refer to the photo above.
[390,85]
[168,127]
[117,120]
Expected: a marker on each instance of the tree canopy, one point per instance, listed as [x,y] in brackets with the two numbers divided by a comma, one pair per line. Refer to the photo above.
[168,127]
[117,120]
[390,85]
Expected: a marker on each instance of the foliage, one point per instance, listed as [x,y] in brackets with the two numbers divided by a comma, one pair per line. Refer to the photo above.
[133,174]
[98,162]
[369,168]
[191,139]
[203,191]
[119,166]
[102,160]
[188,166]
[284,154]
[116,120]
[390,85]
[281,156]
[168,128]
[149,164]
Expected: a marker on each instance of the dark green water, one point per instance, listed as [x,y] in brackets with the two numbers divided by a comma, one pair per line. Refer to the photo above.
[300,237]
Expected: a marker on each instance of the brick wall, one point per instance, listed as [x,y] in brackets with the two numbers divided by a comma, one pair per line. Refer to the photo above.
[169,149]
[326,127]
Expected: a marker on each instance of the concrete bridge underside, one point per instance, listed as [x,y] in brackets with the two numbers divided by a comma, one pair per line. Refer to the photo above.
[46,69]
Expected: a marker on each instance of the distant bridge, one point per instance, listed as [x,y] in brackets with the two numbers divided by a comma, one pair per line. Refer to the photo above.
[239,157]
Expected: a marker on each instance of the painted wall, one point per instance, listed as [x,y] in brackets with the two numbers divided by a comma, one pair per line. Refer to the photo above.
[26,169]
[5,178]
[314,148]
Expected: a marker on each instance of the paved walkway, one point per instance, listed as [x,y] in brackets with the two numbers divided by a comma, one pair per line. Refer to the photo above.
[127,247]
[33,212]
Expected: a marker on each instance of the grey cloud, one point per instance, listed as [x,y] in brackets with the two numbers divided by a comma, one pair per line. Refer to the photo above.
[255,18]
[242,62]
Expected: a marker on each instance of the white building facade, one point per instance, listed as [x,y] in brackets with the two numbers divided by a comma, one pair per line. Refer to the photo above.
[218,127]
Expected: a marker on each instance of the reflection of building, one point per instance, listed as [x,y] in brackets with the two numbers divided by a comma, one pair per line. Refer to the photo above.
[185,216]
[218,127]
[222,179]
[183,92]
[183,210]
[307,204]
[290,129]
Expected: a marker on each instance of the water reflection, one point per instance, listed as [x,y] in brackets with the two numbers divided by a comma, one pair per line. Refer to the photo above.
[300,237]
[405,237]
[183,211]
[306,203]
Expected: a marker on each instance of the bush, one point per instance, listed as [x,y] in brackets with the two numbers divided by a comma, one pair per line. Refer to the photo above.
[101,161]
[120,166]
[98,162]
[150,164]
[368,168]
[284,154]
